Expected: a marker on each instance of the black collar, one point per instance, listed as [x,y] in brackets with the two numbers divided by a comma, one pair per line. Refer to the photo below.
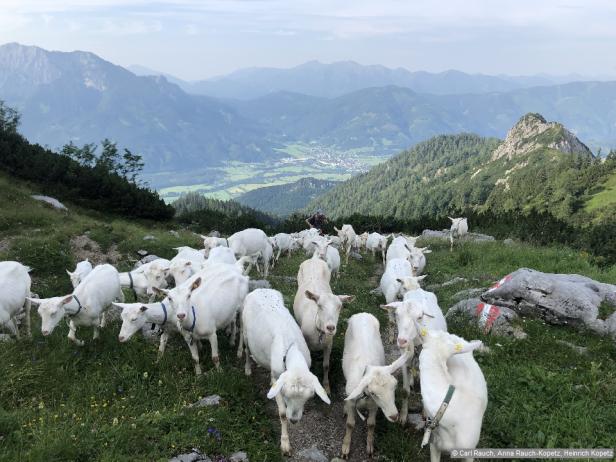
[164,311]
[78,304]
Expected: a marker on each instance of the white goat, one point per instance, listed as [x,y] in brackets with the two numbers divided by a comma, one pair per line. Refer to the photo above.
[347,236]
[418,259]
[85,306]
[284,243]
[447,360]
[417,314]
[459,227]
[317,309]
[82,269]
[222,255]
[207,302]
[329,254]
[377,243]
[367,376]
[210,242]
[252,242]
[276,343]
[15,285]
[136,316]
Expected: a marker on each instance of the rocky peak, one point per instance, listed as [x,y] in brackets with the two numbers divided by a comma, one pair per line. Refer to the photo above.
[533,132]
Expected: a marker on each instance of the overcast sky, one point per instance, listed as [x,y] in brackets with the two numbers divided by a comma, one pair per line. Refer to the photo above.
[195,39]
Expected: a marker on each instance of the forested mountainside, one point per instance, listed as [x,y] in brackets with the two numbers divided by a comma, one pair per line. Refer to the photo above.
[540,167]
[283,200]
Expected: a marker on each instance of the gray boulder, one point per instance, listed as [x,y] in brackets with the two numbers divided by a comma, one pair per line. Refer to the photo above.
[194,456]
[495,320]
[556,298]
[312,454]
[146,259]
[212,400]
[239,456]
[258,284]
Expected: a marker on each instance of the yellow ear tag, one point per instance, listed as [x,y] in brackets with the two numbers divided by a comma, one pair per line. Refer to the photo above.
[423,332]
[458,347]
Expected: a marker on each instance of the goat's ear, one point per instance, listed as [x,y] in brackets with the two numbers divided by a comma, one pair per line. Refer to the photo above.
[276,387]
[195,284]
[119,305]
[346,298]
[426,251]
[36,301]
[312,296]
[398,363]
[160,291]
[320,391]
[467,347]
[202,236]
[422,277]
[188,263]
[69,273]
[359,389]
[336,229]
[389,307]
[67,300]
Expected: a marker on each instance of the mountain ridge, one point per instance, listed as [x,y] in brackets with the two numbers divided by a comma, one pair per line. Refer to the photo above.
[450,173]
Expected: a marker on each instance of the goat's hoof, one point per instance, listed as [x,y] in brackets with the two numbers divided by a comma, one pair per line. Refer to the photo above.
[345,454]
[285,448]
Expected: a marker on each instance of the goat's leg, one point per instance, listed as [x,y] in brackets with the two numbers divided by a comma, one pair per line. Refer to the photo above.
[327,352]
[407,382]
[372,409]
[349,410]
[285,445]
[97,329]
[194,352]
[72,334]
[213,338]
[162,345]
[247,366]
[27,309]
[11,325]
[240,345]
[435,453]
[233,331]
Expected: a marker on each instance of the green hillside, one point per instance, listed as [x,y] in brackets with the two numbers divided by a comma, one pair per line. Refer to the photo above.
[111,401]
[283,200]
[540,167]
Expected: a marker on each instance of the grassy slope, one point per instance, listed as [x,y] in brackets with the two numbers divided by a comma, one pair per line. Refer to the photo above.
[606,197]
[108,401]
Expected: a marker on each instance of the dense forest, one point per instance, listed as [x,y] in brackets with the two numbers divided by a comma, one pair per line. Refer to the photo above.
[284,199]
[203,213]
[105,181]
[457,172]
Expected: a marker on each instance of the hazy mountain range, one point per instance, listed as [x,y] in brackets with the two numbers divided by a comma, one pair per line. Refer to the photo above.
[336,79]
[81,97]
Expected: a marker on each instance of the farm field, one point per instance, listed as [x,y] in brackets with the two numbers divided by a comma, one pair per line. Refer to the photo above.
[234,178]
[109,401]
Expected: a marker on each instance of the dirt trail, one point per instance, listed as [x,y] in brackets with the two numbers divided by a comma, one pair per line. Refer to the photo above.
[323,426]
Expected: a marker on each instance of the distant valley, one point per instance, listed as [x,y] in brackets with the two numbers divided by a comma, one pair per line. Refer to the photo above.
[263,127]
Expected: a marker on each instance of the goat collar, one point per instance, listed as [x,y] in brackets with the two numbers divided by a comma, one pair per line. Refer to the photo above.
[78,304]
[194,316]
[284,358]
[132,285]
[162,305]
[433,423]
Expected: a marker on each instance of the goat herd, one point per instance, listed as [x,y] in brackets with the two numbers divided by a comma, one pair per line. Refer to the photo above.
[212,290]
